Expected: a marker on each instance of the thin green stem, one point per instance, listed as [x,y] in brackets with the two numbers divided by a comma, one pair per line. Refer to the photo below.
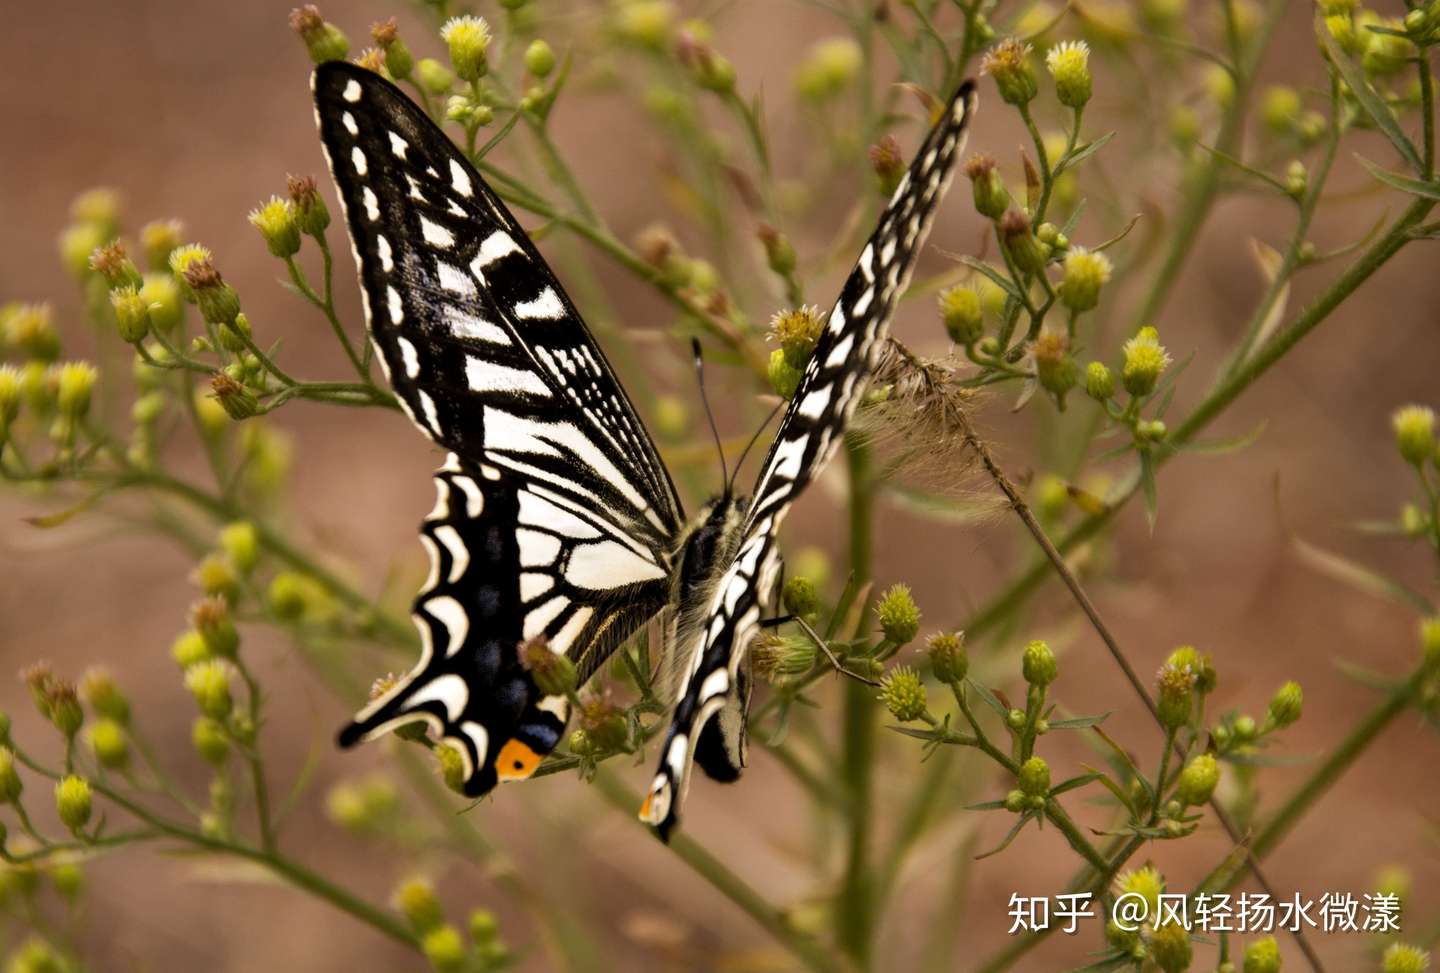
[256,763]
[326,304]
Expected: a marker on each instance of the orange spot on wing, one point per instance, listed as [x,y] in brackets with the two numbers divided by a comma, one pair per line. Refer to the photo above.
[516,761]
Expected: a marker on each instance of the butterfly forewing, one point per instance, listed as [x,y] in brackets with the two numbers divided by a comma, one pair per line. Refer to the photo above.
[555,519]
[809,433]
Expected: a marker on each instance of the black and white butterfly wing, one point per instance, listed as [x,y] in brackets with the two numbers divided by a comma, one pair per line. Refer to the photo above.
[812,428]
[555,518]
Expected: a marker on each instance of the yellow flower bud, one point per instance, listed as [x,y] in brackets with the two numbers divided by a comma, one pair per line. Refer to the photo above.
[468,38]
[72,802]
[1069,64]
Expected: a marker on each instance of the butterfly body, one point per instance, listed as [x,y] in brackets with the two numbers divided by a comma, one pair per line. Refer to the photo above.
[556,526]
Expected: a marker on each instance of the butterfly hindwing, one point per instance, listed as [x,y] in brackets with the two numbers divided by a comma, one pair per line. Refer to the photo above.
[556,519]
[809,433]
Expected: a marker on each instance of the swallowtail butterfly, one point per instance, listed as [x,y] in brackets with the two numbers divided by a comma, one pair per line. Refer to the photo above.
[554,515]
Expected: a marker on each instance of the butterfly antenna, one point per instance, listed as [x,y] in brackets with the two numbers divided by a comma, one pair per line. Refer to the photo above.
[748,446]
[709,415]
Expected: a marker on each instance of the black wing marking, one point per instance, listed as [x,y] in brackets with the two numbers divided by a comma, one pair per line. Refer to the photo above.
[556,517]
[808,435]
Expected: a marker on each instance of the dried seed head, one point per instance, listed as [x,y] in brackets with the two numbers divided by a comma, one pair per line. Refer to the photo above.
[323,40]
[553,672]
[1029,254]
[238,401]
[888,163]
[798,332]
[992,199]
[114,264]
[1009,64]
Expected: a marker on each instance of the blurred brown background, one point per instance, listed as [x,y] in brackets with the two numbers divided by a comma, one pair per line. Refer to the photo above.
[198,110]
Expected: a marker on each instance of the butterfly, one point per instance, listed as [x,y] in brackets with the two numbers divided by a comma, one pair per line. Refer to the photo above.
[555,521]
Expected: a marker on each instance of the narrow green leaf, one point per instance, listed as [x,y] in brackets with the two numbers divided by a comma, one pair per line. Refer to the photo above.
[989,699]
[1074,219]
[1147,487]
[59,517]
[1083,152]
[1249,170]
[1074,782]
[1079,722]
[1008,838]
[1000,280]
[1114,788]
[1127,763]
[916,732]
[1368,677]
[1220,447]
[1360,576]
[1124,232]
[1370,102]
[1415,187]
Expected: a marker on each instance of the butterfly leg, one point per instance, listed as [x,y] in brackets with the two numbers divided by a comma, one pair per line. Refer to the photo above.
[824,647]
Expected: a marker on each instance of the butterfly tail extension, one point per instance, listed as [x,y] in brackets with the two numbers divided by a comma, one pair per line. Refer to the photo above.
[811,430]
[471,687]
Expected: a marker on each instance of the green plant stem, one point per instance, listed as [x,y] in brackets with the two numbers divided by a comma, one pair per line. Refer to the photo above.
[257,765]
[802,947]
[326,304]
[1073,835]
[854,911]
[1356,742]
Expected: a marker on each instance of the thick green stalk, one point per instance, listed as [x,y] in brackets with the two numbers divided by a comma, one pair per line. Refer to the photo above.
[855,910]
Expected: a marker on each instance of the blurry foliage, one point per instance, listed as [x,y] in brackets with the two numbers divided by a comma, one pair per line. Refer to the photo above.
[97,438]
